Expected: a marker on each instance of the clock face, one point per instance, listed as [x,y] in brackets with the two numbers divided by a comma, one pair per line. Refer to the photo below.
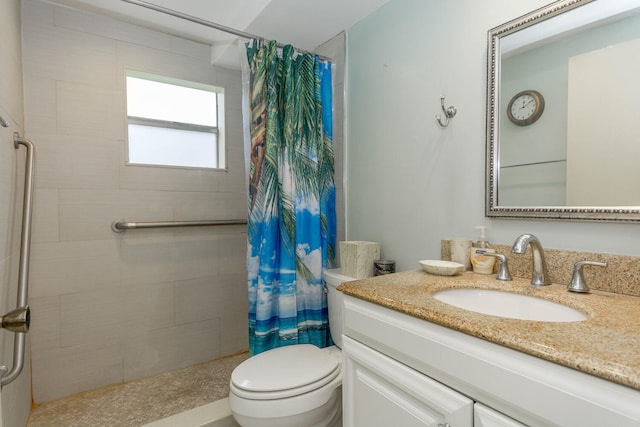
[525,107]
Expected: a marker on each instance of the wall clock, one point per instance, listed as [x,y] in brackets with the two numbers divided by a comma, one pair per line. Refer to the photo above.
[525,107]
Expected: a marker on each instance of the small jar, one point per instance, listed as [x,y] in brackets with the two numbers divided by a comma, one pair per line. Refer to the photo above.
[384,266]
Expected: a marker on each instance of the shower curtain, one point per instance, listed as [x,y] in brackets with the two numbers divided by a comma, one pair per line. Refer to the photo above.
[291,195]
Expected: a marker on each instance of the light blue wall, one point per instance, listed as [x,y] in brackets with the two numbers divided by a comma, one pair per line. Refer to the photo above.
[409,182]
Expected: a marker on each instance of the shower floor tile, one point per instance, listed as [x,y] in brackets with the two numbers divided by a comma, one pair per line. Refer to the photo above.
[141,401]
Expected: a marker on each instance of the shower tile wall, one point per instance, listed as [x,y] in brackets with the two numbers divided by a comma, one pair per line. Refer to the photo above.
[16,398]
[110,307]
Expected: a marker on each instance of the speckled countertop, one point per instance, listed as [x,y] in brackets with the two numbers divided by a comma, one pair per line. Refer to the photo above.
[607,344]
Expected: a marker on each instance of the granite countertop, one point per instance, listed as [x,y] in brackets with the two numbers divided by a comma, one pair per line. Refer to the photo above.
[606,345]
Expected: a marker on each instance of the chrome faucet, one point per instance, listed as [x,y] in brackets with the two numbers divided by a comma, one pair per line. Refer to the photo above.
[539,277]
[578,284]
[503,267]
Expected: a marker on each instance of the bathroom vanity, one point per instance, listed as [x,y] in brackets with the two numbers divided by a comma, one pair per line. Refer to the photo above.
[412,360]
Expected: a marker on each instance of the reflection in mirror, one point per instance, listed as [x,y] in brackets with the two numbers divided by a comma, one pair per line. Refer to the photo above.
[578,159]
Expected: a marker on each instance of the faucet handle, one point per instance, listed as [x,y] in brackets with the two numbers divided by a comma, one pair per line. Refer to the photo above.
[503,267]
[578,284]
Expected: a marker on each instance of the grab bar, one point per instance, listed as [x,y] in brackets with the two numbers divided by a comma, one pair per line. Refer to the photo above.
[22,314]
[122,226]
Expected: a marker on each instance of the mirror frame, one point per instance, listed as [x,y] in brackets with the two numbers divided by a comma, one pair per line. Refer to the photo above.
[492,209]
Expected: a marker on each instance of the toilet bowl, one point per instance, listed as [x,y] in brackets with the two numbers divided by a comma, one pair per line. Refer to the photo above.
[298,385]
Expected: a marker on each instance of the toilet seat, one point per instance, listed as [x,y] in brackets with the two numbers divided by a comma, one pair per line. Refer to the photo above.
[292,371]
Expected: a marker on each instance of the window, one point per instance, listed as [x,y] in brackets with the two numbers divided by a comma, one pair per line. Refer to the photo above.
[174,122]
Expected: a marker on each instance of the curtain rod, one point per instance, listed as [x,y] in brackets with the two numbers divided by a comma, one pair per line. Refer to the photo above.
[206,23]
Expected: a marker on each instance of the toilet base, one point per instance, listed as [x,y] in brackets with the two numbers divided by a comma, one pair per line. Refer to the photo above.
[328,415]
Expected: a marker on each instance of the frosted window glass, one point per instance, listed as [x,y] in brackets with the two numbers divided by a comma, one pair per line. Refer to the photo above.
[174,122]
[163,101]
[172,147]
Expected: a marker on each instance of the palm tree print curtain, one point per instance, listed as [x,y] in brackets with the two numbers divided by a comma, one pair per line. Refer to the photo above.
[291,233]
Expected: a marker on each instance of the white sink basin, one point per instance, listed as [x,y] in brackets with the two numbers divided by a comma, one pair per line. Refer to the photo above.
[510,305]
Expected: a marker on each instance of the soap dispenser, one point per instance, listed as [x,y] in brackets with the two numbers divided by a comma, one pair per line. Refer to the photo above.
[481,263]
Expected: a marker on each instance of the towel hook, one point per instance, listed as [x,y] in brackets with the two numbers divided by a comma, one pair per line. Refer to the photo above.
[448,112]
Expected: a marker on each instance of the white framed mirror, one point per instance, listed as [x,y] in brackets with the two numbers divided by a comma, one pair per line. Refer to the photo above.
[563,117]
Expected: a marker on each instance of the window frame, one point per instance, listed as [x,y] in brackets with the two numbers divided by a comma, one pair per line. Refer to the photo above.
[218,130]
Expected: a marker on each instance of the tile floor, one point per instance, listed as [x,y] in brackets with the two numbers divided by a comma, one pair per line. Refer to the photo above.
[142,401]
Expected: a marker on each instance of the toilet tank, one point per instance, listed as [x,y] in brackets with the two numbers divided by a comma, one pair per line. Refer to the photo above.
[333,278]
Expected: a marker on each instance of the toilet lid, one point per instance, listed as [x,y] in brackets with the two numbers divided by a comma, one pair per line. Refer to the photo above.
[286,368]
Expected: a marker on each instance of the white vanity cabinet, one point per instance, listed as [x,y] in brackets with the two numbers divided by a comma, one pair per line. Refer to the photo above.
[403,371]
[379,391]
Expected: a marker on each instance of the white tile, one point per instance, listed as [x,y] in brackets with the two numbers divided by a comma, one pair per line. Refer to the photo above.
[239,299]
[231,80]
[91,317]
[36,13]
[65,55]
[222,297]
[146,308]
[90,23]
[235,139]
[11,64]
[70,370]
[170,348]
[210,205]
[10,289]
[234,182]
[234,333]
[17,398]
[90,111]
[8,280]
[76,162]
[45,324]
[233,253]
[199,299]
[40,104]
[88,214]
[66,267]
[194,256]
[11,28]
[45,216]
[166,63]
[146,256]
[191,48]
[134,177]
[8,193]
[3,281]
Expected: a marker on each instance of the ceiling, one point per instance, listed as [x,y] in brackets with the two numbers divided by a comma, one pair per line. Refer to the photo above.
[305,24]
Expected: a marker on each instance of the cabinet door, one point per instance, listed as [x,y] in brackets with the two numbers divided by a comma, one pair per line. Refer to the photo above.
[486,417]
[380,392]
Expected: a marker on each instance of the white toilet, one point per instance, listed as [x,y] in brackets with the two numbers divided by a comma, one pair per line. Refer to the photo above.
[297,385]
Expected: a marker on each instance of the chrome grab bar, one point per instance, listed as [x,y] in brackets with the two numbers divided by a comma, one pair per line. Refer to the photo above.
[122,226]
[21,314]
